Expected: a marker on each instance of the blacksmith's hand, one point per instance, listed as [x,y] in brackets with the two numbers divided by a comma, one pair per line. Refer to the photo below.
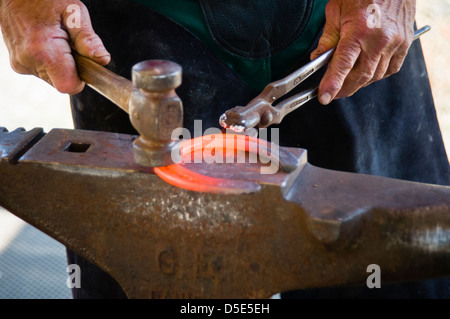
[371,37]
[40,36]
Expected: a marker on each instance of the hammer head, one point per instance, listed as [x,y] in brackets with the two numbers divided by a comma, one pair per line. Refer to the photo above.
[155,110]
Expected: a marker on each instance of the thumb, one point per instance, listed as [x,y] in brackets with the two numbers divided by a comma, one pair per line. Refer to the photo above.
[330,36]
[83,38]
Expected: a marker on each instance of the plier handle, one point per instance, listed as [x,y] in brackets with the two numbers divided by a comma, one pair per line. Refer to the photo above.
[260,112]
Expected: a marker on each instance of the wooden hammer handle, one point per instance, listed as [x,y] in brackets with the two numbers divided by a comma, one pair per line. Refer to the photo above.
[112,86]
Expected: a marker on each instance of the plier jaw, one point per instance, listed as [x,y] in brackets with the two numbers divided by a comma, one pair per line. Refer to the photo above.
[260,112]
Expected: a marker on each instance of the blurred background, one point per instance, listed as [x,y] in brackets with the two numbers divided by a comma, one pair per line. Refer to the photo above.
[33,265]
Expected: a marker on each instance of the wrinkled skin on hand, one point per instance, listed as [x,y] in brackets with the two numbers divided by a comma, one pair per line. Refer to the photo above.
[365,52]
[40,36]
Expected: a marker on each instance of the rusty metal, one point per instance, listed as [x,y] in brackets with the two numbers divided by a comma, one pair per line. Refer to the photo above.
[151,101]
[157,114]
[301,228]
[259,112]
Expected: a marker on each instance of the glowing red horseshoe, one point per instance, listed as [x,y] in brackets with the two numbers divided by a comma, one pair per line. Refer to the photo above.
[178,175]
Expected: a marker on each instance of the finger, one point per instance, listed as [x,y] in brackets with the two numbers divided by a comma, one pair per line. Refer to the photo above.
[18,67]
[58,68]
[331,32]
[327,41]
[361,74]
[381,70]
[42,74]
[400,52]
[387,47]
[342,62]
[84,40]
[48,55]
[63,81]
[396,63]
[14,62]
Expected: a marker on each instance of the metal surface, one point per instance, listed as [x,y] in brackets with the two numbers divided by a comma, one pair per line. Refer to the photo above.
[156,75]
[301,228]
[260,112]
[156,112]
[151,101]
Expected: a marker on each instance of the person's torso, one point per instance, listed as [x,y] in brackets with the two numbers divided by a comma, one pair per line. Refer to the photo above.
[260,40]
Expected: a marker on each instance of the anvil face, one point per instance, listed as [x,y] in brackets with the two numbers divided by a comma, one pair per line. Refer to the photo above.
[301,227]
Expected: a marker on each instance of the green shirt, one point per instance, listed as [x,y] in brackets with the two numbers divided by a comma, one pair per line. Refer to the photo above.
[257,73]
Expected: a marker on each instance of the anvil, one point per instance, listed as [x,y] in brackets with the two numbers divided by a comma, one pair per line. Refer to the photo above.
[302,227]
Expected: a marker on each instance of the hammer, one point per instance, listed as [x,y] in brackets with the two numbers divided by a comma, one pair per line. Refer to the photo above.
[150,99]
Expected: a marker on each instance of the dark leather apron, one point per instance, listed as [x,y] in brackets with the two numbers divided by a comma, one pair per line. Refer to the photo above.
[256,29]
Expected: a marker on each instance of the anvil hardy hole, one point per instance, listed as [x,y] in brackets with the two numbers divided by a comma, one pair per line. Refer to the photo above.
[77,147]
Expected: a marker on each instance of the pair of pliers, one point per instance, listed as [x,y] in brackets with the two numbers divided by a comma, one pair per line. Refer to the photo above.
[259,112]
